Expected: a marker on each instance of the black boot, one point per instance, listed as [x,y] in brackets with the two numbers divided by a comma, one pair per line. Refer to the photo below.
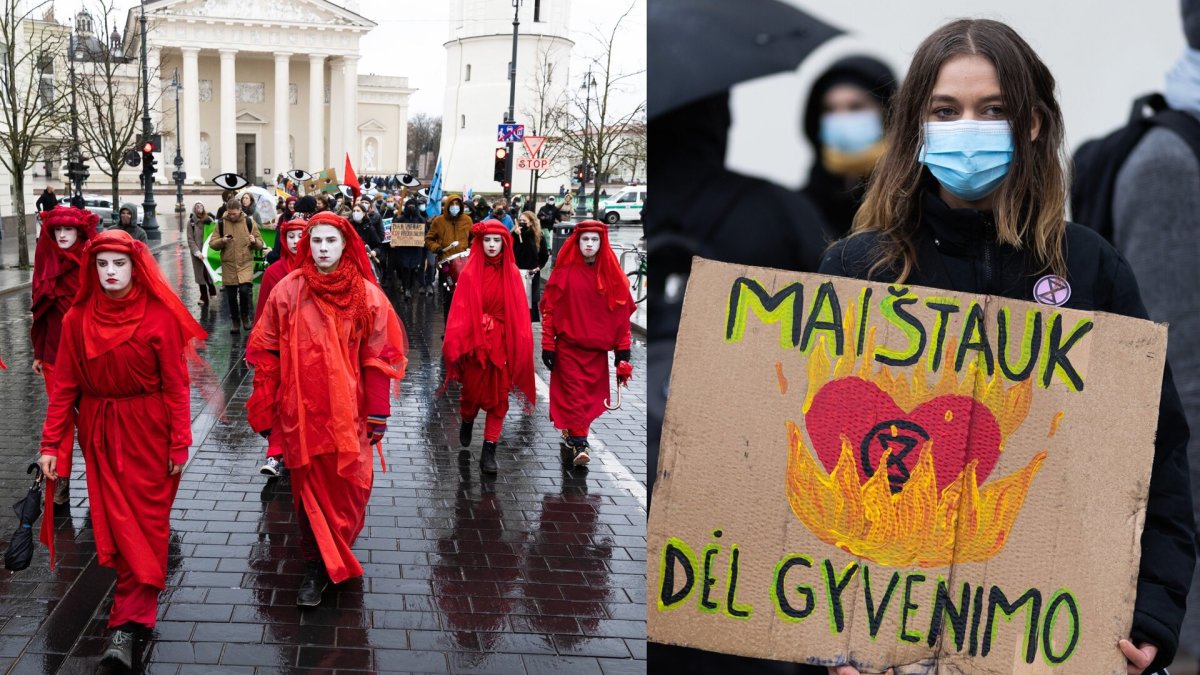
[487,458]
[121,645]
[464,432]
[316,580]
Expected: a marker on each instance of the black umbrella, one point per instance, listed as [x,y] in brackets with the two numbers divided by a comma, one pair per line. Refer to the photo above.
[697,48]
[28,508]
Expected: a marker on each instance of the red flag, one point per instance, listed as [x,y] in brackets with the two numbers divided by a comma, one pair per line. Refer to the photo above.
[351,179]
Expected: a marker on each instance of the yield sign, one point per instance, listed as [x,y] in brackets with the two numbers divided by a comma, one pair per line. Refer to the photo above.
[533,144]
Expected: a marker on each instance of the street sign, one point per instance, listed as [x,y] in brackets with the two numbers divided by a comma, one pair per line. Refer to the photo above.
[533,163]
[533,145]
[510,133]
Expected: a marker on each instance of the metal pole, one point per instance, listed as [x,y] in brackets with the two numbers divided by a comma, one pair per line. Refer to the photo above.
[76,156]
[587,114]
[178,156]
[512,99]
[149,220]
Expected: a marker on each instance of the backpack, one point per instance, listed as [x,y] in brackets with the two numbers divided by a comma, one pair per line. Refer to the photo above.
[1098,161]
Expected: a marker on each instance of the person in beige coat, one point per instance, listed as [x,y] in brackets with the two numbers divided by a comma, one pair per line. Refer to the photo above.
[196,222]
[237,237]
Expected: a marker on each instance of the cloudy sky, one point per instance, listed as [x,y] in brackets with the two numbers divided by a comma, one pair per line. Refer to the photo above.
[421,26]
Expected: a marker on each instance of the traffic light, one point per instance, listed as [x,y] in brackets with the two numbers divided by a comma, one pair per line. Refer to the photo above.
[501,159]
[149,163]
[506,185]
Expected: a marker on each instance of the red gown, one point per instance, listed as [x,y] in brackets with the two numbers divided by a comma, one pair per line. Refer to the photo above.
[585,314]
[134,414]
[323,429]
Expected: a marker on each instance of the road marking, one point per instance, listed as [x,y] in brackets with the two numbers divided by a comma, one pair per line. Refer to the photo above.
[625,479]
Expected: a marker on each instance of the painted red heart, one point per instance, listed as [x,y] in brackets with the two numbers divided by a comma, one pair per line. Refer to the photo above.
[961,428]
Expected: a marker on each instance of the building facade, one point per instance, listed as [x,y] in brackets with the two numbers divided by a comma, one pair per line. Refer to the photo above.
[478,56]
[265,86]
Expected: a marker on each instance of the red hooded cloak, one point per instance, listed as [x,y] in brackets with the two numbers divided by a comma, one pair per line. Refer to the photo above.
[585,314]
[338,329]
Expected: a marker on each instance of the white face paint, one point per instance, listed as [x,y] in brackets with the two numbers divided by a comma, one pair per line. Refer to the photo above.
[115,270]
[66,236]
[293,240]
[492,245]
[589,245]
[327,247]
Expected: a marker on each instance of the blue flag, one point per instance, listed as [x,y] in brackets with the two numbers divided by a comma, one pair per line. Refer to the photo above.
[434,207]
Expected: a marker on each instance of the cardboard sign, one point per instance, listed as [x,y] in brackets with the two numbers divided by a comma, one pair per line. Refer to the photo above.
[408,234]
[325,181]
[898,476]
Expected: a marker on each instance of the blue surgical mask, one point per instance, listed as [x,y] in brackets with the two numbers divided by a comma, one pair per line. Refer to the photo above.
[851,132]
[454,211]
[969,158]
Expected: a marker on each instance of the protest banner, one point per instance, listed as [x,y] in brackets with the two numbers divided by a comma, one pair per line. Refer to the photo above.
[888,475]
[211,258]
[323,181]
[408,234]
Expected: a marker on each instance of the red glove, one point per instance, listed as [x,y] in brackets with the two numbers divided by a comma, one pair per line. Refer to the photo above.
[624,372]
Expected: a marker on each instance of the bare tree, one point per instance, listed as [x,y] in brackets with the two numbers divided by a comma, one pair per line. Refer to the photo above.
[546,109]
[109,87]
[596,130]
[31,105]
[424,135]
[635,152]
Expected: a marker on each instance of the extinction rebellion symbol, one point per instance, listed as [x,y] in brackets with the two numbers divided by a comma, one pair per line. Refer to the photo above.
[1052,290]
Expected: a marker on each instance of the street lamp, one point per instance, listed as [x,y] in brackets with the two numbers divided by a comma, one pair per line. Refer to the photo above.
[149,220]
[512,99]
[589,83]
[178,175]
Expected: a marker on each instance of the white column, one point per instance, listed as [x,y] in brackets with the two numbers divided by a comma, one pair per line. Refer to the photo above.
[190,135]
[337,104]
[402,146]
[228,98]
[154,89]
[316,113]
[282,114]
[350,113]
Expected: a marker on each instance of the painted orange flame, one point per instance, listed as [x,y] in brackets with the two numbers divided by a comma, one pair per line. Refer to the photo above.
[966,522]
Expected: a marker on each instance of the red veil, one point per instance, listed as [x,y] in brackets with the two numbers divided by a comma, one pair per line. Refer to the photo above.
[610,278]
[102,330]
[356,250]
[285,254]
[56,270]
[464,327]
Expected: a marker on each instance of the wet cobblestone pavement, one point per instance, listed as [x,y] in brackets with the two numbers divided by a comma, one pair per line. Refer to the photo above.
[535,570]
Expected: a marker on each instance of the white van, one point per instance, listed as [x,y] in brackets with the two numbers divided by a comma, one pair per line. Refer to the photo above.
[625,205]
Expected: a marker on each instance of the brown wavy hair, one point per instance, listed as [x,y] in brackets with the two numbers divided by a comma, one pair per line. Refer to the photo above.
[1030,203]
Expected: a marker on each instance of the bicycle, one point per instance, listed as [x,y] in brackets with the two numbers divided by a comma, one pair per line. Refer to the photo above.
[638,279]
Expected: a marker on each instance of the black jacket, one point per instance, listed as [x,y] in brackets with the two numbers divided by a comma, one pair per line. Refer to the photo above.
[957,250]
[47,201]
[529,250]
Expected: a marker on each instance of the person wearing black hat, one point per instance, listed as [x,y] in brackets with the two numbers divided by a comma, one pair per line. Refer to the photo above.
[843,121]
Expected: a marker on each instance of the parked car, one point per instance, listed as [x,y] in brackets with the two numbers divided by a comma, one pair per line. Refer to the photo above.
[625,205]
[103,207]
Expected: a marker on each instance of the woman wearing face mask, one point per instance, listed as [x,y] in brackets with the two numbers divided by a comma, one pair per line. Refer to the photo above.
[489,342]
[324,353]
[449,234]
[199,218]
[406,260]
[56,262]
[844,123]
[529,248]
[969,196]
[122,362]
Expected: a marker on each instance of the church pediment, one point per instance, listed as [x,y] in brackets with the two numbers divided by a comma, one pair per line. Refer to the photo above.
[247,117]
[317,12]
[372,125]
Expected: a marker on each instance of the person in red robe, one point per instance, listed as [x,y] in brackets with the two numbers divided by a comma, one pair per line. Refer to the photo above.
[65,232]
[326,322]
[585,314]
[488,345]
[291,232]
[121,362]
